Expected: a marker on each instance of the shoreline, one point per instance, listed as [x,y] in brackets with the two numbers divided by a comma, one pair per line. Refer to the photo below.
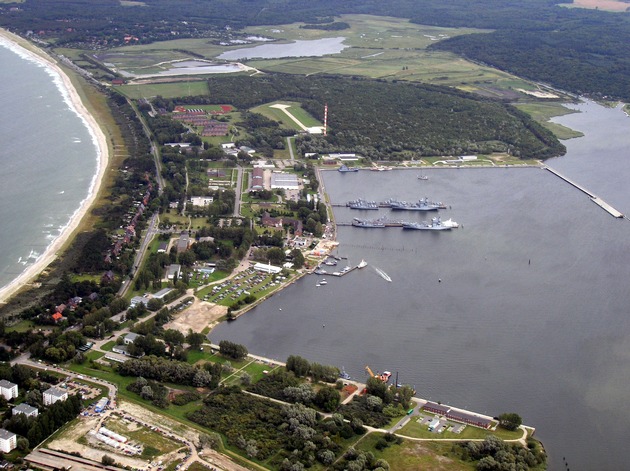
[71,95]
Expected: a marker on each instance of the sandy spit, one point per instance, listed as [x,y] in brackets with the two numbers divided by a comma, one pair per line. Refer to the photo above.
[36,54]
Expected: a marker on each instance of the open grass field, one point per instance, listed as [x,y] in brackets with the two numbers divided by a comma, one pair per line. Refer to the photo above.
[411,456]
[278,115]
[379,47]
[543,112]
[166,90]
[414,429]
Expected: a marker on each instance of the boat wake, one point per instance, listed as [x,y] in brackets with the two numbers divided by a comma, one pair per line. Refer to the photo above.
[384,275]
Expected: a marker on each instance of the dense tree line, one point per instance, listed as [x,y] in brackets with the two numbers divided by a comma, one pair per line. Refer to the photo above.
[168,371]
[282,435]
[493,454]
[379,119]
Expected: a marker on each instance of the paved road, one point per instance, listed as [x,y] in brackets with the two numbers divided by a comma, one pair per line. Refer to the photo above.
[152,230]
[237,191]
[291,148]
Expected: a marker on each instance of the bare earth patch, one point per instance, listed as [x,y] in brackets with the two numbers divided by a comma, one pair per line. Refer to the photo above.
[197,317]
[67,443]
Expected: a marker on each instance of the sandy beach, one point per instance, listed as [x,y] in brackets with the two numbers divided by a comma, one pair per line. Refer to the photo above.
[98,136]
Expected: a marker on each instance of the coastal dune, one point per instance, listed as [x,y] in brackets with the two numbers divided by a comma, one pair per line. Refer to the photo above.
[33,53]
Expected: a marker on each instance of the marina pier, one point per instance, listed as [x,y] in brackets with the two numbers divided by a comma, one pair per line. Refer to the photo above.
[593,197]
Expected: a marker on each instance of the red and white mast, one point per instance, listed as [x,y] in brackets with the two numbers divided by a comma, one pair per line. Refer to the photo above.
[325,119]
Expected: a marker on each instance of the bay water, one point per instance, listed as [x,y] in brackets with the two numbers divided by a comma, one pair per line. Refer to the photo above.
[525,308]
[48,160]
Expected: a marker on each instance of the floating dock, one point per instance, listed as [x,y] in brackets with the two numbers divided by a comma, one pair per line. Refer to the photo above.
[593,197]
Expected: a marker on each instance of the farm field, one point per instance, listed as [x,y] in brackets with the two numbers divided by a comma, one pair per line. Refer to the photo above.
[379,47]
[167,90]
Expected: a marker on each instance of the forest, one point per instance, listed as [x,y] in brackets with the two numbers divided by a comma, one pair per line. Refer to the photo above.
[424,120]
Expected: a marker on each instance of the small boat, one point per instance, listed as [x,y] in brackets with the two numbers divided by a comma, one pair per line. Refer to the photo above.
[318,285]
[422,177]
[323,282]
[343,374]
[362,264]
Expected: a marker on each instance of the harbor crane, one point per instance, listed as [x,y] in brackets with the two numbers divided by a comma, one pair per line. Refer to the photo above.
[383,377]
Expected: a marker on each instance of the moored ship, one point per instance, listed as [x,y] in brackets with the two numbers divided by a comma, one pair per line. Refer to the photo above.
[369,223]
[362,204]
[436,225]
[345,169]
[422,205]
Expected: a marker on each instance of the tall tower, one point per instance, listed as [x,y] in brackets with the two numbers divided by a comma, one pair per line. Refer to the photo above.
[325,119]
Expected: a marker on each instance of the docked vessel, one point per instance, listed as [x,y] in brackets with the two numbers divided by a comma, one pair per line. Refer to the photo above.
[436,225]
[422,205]
[368,223]
[362,204]
[450,223]
[362,264]
[422,176]
[345,169]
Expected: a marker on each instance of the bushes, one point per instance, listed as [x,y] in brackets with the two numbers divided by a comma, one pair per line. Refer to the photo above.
[232,350]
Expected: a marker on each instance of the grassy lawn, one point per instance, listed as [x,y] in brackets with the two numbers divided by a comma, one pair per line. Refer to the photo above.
[278,115]
[108,346]
[254,369]
[166,90]
[543,112]
[94,355]
[415,430]
[412,456]
[21,326]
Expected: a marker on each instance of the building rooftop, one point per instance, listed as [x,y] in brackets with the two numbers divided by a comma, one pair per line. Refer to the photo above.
[7,384]
[53,391]
[5,434]
[23,408]
[131,337]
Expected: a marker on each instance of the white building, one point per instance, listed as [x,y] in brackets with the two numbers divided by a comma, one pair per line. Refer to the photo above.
[267,268]
[28,411]
[201,201]
[8,440]
[173,271]
[162,293]
[286,181]
[53,395]
[130,338]
[8,389]
[263,164]
[228,145]
[138,300]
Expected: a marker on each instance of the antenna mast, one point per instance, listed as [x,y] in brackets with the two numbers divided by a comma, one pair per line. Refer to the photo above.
[325,119]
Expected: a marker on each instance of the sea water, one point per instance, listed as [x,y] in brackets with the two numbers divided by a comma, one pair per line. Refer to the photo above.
[48,160]
[530,315]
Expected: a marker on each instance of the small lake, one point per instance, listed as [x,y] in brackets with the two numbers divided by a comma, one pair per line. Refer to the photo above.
[300,48]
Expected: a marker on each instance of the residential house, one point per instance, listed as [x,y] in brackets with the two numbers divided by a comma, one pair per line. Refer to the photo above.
[8,389]
[8,441]
[53,394]
[24,408]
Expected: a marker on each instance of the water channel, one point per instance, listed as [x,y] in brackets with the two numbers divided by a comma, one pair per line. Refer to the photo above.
[530,315]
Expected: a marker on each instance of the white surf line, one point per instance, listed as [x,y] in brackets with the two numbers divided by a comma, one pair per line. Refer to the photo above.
[284,108]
